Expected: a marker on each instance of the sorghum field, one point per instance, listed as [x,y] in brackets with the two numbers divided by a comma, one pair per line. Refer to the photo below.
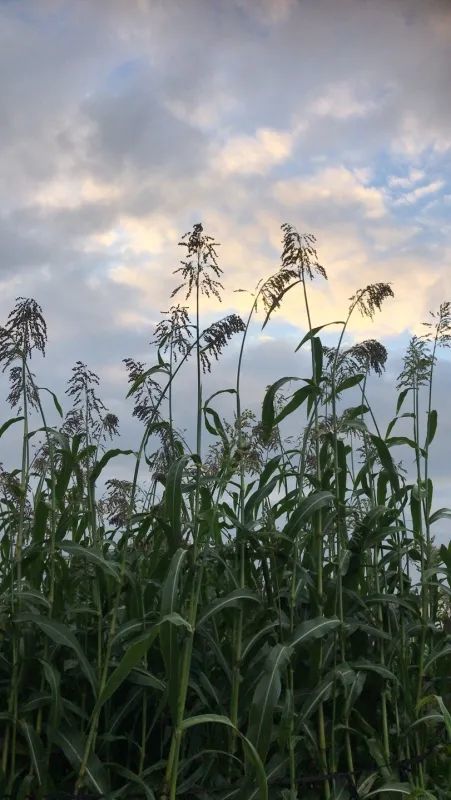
[260,616]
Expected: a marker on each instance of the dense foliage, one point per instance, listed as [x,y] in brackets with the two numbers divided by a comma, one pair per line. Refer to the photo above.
[264,617]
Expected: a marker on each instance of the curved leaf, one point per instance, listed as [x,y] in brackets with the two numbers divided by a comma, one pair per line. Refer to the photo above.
[265,698]
[36,750]
[73,744]
[249,749]
[235,598]
[62,635]
[92,555]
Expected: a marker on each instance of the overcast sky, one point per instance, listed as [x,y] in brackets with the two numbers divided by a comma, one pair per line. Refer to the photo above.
[125,122]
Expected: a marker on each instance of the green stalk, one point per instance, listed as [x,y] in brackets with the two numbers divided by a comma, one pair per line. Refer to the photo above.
[426,503]
[90,741]
[14,704]
[318,539]
[174,753]
[176,742]
[237,632]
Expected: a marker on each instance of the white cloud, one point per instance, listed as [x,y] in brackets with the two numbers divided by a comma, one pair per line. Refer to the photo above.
[332,186]
[421,191]
[340,101]
[205,113]
[73,192]
[399,182]
[418,135]
[386,238]
[254,155]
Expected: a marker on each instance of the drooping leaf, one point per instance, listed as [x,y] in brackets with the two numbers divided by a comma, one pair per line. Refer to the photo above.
[317,360]
[132,656]
[397,788]
[316,330]
[173,499]
[73,743]
[53,679]
[265,698]
[249,749]
[313,629]
[306,509]
[431,427]
[56,402]
[92,555]
[8,424]
[386,460]
[98,467]
[169,639]
[36,750]
[268,412]
[308,392]
[235,598]
[349,383]
[162,368]
[62,635]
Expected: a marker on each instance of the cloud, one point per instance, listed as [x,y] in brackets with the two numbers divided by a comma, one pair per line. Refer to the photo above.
[338,186]
[340,101]
[249,155]
[421,191]
[415,135]
[400,182]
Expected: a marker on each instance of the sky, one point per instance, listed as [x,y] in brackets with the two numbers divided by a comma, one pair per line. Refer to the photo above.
[124,123]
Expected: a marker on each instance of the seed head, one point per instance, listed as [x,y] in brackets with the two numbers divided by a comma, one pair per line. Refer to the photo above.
[173,332]
[89,410]
[274,288]
[16,388]
[73,422]
[440,327]
[217,336]
[25,330]
[201,264]
[418,363]
[371,298]
[110,424]
[299,260]
[299,253]
[369,355]
[148,393]
[115,505]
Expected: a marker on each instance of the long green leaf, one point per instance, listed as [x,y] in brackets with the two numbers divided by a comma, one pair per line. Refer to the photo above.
[36,750]
[98,467]
[92,555]
[53,679]
[62,635]
[431,427]
[396,788]
[173,499]
[235,598]
[316,330]
[73,743]
[297,399]
[268,413]
[169,638]
[265,698]
[249,749]
[306,509]
[132,656]
[8,424]
[313,629]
